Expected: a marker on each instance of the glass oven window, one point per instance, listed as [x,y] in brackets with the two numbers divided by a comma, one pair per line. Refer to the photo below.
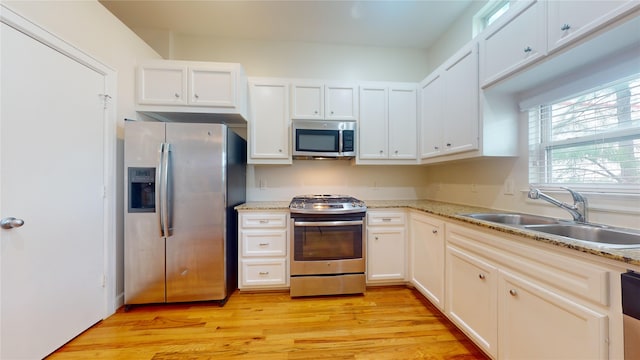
[317,243]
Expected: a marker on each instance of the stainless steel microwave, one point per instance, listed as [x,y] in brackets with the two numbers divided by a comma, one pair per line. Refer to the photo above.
[323,139]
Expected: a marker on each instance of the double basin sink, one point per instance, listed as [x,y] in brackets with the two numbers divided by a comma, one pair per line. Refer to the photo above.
[594,234]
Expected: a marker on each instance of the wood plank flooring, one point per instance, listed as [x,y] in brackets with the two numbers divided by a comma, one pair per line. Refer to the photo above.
[385,323]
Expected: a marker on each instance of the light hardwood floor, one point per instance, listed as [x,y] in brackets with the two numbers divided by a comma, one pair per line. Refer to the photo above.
[385,323]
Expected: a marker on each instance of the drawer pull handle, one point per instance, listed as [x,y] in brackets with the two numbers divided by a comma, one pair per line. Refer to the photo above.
[481,276]
[513,292]
[264,221]
[386,219]
[264,244]
[263,273]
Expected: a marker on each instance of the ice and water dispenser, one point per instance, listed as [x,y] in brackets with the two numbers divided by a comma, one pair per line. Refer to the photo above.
[142,189]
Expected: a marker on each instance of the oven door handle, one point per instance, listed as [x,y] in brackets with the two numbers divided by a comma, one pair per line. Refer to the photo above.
[327,223]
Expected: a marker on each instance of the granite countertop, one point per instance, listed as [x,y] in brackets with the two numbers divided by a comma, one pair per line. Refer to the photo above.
[448,210]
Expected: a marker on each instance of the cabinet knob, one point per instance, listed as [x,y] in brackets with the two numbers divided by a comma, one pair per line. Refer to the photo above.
[434,231]
[196,96]
[280,150]
[376,238]
[448,144]
[316,112]
[381,152]
[565,27]
[396,152]
[436,147]
[528,49]
[331,112]
[481,276]
[177,95]
[513,292]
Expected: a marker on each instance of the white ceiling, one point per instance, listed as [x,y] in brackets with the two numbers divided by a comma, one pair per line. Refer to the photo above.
[406,24]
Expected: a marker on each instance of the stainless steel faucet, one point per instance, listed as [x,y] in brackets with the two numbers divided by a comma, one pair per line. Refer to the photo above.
[578,210]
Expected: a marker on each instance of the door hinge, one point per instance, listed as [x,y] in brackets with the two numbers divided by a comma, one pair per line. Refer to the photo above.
[104,192]
[103,281]
[106,98]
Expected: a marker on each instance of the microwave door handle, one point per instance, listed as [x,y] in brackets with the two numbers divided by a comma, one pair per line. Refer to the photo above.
[340,141]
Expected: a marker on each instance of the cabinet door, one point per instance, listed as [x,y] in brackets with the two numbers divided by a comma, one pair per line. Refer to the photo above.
[213,87]
[373,133]
[427,257]
[510,44]
[307,101]
[341,102]
[570,20]
[460,132]
[471,297]
[386,253]
[402,123]
[269,122]
[431,116]
[535,323]
[162,85]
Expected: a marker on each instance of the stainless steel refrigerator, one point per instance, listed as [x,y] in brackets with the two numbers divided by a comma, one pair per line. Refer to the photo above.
[182,181]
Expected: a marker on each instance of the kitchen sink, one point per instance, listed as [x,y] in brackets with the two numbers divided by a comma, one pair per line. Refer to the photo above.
[607,236]
[595,234]
[513,218]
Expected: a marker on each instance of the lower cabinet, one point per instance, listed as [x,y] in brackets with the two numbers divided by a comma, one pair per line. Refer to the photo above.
[263,256]
[386,247]
[511,312]
[427,256]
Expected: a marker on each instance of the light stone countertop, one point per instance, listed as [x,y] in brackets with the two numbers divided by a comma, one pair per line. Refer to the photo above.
[452,211]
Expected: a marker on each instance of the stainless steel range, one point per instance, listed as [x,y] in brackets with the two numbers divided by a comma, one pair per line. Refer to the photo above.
[327,245]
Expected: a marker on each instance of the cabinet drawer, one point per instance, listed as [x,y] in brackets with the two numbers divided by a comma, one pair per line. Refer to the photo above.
[264,243]
[264,220]
[263,273]
[385,218]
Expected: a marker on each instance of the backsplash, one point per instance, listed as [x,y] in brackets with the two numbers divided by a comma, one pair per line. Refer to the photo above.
[281,183]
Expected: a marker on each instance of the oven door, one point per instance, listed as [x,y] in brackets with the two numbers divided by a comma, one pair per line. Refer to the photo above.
[328,247]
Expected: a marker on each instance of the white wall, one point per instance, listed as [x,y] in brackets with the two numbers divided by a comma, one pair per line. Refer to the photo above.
[93,29]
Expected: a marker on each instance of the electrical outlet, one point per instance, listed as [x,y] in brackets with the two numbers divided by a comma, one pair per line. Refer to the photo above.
[509,187]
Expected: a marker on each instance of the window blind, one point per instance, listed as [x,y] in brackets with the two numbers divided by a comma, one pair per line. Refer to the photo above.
[592,138]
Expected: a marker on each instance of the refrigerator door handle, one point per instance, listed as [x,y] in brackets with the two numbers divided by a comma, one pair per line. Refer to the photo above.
[160,187]
[168,207]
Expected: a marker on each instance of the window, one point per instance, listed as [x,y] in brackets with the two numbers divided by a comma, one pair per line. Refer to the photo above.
[590,139]
[488,14]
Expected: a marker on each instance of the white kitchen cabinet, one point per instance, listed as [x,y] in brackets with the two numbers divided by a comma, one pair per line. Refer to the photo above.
[471,297]
[450,113]
[317,100]
[269,122]
[569,21]
[178,87]
[516,39]
[427,256]
[388,120]
[386,246]
[162,84]
[262,251]
[517,301]
[536,323]
[432,115]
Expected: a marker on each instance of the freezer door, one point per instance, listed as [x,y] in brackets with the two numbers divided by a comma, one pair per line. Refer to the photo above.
[144,247]
[195,256]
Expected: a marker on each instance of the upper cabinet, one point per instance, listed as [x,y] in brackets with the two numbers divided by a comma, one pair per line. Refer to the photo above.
[449,104]
[513,42]
[388,120]
[269,123]
[320,101]
[570,20]
[191,87]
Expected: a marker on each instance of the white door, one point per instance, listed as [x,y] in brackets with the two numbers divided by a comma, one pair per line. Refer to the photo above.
[51,176]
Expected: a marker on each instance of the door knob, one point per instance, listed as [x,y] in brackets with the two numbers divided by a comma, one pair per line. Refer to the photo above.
[11,222]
